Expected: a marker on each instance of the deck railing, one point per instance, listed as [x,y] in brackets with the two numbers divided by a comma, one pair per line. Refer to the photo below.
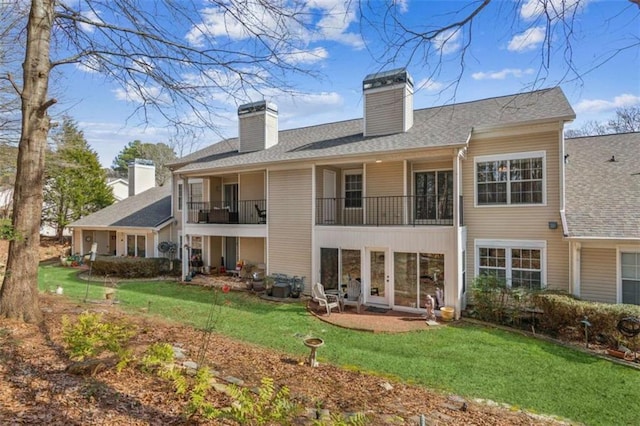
[385,211]
[241,212]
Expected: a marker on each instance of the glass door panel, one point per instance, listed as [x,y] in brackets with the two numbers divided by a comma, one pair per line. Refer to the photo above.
[378,277]
[405,279]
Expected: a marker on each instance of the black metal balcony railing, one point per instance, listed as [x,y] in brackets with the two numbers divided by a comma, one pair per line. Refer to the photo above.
[242,212]
[385,211]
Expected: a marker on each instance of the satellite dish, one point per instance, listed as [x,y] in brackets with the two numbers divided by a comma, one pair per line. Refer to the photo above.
[164,247]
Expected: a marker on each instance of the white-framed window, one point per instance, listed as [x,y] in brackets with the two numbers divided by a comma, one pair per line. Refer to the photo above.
[353,187]
[630,277]
[136,245]
[510,179]
[521,264]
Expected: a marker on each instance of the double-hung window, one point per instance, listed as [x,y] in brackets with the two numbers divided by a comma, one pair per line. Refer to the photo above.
[519,263]
[510,179]
[353,189]
[630,268]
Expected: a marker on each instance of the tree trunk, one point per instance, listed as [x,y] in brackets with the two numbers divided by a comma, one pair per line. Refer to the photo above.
[19,292]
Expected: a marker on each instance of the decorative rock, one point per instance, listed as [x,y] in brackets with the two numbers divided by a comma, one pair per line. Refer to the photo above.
[89,367]
[190,364]
[178,353]
[386,386]
[234,380]
[324,414]
[220,387]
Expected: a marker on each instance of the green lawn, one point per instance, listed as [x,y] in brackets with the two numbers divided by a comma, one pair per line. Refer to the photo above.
[469,360]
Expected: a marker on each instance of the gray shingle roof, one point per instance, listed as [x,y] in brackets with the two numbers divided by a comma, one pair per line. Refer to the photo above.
[145,210]
[433,127]
[603,196]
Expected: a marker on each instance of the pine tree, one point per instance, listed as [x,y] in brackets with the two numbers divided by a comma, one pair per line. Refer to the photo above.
[75,182]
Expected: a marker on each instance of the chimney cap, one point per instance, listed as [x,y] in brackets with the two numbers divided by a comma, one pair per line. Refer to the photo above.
[387,78]
[141,161]
[257,107]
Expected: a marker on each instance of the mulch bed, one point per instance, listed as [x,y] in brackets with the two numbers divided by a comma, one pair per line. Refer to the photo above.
[36,389]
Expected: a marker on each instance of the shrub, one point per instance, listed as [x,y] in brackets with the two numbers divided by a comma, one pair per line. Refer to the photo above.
[134,267]
[89,336]
[157,356]
[562,316]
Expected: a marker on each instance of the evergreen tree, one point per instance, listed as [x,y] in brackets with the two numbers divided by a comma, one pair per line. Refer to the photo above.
[75,183]
[159,153]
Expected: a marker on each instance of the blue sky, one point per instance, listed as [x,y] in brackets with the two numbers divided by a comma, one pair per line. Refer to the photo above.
[504,57]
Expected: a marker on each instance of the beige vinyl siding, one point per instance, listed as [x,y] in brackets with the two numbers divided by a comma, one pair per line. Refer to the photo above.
[252,250]
[164,235]
[384,111]
[515,222]
[384,180]
[271,134]
[215,251]
[432,165]
[252,186]
[289,223]
[252,132]
[598,275]
[215,189]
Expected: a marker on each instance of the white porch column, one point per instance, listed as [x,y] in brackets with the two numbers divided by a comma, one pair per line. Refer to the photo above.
[185,215]
[575,267]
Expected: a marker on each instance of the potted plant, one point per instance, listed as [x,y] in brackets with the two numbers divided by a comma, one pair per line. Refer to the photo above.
[296,284]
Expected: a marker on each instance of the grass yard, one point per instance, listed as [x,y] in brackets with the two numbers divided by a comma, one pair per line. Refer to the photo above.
[472,361]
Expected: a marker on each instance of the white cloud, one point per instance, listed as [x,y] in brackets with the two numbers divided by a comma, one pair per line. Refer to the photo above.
[299,56]
[527,40]
[554,9]
[89,64]
[448,41]
[600,105]
[141,94]
[402,5]
[502,74]
[326,20]
[429,85]
[91,16]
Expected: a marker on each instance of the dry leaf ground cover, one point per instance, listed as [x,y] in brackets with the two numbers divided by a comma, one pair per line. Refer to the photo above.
[36,389]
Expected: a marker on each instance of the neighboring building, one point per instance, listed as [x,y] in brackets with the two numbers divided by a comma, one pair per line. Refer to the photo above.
[120,188]
[410,202]
[603,217]
[407,201]
[133,227]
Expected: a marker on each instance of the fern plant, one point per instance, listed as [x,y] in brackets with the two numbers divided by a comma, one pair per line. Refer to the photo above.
[270,406]
[89,336]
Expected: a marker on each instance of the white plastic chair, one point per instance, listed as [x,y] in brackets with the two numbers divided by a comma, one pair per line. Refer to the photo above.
[329,301]
[353,297]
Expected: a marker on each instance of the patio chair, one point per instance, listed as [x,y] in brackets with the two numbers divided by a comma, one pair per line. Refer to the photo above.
[353,296]
[329,301]
[262,214]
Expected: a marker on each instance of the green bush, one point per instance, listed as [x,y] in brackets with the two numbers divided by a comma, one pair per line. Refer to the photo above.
[135,267]
[562,316]
[493,301]
[89,336]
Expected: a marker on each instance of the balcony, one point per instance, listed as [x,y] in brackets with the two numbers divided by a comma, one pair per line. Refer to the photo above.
[386,211]
[246,212]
